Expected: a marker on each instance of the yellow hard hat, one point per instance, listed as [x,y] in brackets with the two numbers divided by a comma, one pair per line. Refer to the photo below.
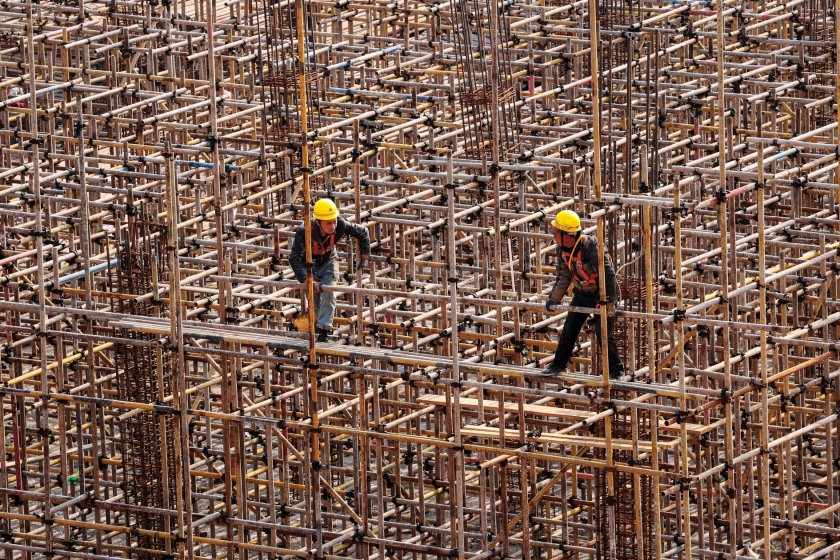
[567,221]
[326,210]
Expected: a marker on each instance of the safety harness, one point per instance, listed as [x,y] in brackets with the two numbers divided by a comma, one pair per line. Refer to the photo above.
[324,246]
[575,264]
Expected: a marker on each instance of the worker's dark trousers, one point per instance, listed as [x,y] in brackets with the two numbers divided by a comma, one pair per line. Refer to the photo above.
[571,330]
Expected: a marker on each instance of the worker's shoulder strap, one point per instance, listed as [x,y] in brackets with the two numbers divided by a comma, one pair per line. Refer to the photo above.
[323,245]
[582,245]
[589,247]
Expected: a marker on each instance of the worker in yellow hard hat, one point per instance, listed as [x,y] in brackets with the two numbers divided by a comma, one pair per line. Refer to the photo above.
[577,255]
[328,228]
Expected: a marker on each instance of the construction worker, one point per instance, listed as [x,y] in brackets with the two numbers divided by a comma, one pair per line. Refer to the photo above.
[328,228]
[578,265]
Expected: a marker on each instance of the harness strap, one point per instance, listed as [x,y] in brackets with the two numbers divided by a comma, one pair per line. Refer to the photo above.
[578,272]
[324,246]
[569,263]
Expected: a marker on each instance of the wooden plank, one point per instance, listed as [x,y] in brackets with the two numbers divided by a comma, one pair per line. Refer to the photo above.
[536,409]
[565,439]
[694,430]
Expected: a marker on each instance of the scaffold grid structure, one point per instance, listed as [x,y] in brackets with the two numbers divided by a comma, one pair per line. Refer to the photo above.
[160,402]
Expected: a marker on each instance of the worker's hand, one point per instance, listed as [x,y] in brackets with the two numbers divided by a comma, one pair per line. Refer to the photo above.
[550,305]
[609,306]
[363,262]
[316,287]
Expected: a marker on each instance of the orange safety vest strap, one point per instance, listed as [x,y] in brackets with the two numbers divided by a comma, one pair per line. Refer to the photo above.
[324,247]
[578,272]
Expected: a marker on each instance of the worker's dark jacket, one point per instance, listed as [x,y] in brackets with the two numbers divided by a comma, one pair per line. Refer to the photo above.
[584,272]
[326,246]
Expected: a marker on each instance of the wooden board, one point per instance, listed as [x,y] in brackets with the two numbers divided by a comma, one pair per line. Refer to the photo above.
[564,439]
[694,430]
[536,409]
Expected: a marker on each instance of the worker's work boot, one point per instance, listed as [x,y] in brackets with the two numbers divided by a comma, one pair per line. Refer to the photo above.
[553,369]
[617,374]
[324,335]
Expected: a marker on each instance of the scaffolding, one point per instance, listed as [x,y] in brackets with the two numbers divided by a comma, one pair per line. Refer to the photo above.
[158,401]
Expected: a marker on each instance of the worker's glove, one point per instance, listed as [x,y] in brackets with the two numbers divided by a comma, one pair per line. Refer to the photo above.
[610,306]
[316,287]
[550,305]
[363,261]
